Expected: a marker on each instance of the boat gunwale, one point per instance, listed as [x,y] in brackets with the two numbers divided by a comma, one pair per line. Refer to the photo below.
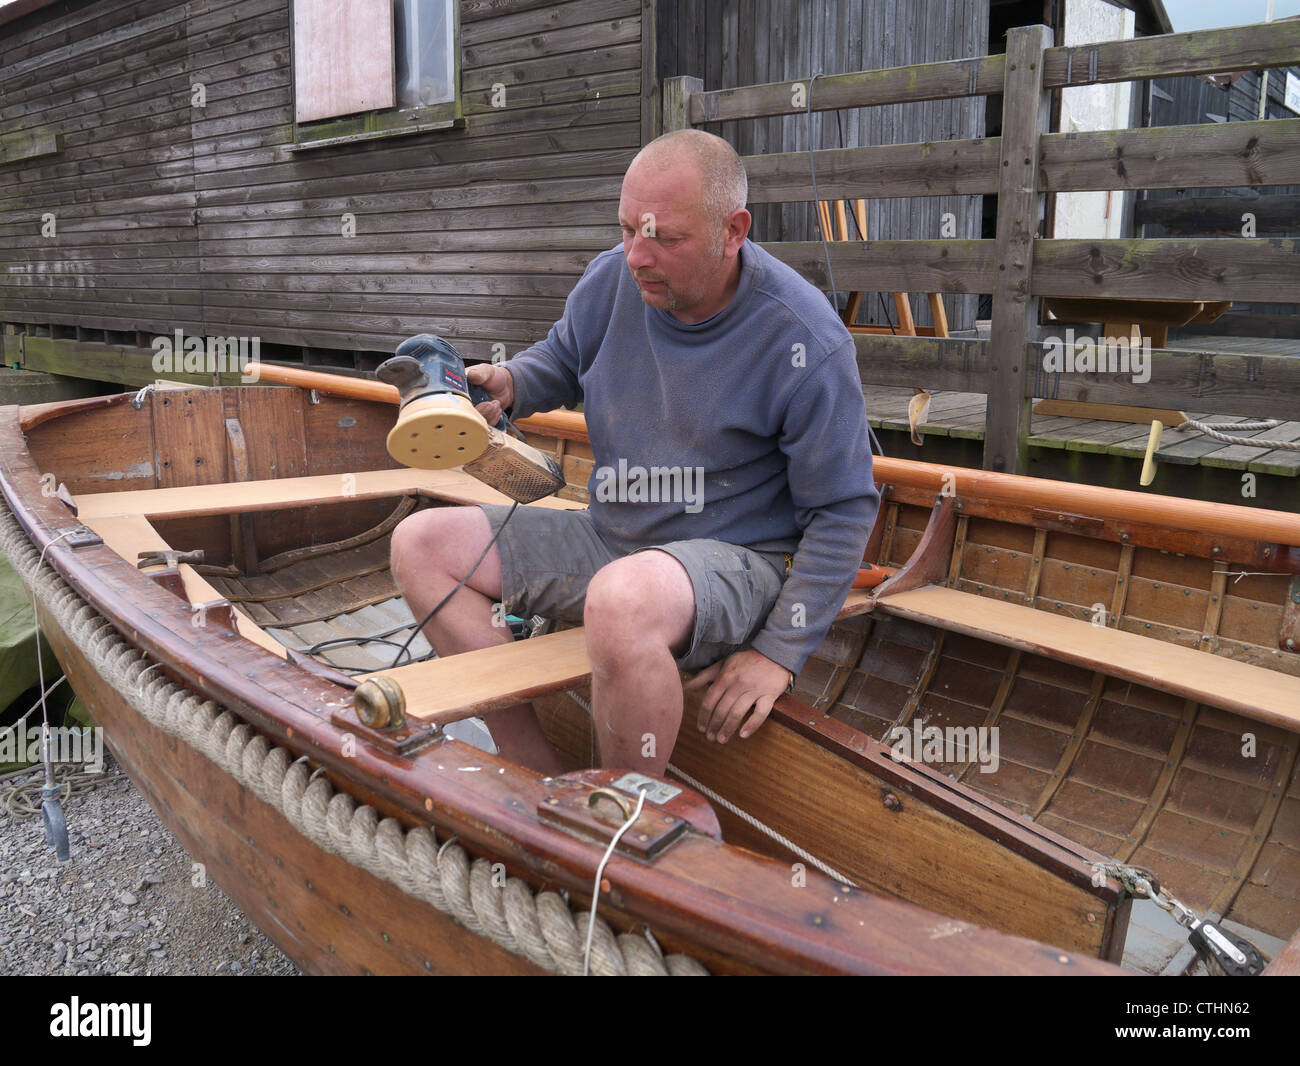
[269,693]
[1071,499]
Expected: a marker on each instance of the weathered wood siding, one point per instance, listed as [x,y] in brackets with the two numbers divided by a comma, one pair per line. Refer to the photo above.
[174,216]
[730,43]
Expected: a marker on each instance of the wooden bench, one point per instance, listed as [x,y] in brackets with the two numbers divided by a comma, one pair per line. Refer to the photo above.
[239,497]
[1252,691]
[129,535]
[475,682]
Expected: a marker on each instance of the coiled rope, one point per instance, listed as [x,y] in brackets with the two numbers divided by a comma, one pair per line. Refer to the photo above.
[23,799]
[541,927]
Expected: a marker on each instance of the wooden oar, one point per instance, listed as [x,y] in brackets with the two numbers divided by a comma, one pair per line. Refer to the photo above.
[1279,527]
[331,384]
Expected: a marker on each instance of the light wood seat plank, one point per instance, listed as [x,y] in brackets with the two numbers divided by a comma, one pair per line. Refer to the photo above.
[1252,691]
[237,497]
[475,682]
[128,535]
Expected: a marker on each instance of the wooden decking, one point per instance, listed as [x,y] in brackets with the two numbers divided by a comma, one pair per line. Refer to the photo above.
[961,415]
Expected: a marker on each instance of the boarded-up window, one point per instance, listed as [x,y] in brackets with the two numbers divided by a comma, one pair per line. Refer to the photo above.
[342,57]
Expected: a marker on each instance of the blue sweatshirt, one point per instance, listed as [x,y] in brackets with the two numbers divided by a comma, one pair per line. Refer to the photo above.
[749,428]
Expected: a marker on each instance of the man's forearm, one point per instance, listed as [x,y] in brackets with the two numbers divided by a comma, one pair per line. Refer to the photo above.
[819,581]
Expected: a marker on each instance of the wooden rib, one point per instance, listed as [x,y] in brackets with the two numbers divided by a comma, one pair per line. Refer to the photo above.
[326,615]
[887,539]
[1123,582]
[958,550]
[1263,827]
[315,551]
[1062,769]
[1259,835]
[1084,723]
[913,701]
[1035,567]
[320,584]
[1013,658]
[1251,691]
[1214,612]
[1160,791]
[832,696]
[1187,722]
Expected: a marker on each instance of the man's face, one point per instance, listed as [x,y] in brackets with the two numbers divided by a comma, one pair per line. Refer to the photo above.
[682,260]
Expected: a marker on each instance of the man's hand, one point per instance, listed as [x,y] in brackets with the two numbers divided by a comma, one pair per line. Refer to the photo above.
[498,384]
[747,679]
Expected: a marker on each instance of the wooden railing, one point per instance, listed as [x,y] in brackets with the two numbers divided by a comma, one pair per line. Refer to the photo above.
[1018,267]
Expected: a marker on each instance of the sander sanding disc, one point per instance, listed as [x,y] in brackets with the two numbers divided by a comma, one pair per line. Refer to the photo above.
[437,433]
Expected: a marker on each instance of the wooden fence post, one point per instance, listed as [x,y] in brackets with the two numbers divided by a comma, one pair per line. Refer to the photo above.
[676,112]
[1025,115]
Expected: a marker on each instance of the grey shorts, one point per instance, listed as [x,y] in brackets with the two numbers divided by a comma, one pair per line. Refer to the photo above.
[548,557]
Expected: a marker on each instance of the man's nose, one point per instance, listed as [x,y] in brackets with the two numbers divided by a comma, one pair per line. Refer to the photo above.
[639,252]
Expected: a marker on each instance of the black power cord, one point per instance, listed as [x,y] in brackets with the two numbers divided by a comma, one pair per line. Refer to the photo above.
[460,585]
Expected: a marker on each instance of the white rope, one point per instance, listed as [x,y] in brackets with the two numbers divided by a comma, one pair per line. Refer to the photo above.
[600,873]
[784,841]
[1229,432]
[722,801]
[1237,575]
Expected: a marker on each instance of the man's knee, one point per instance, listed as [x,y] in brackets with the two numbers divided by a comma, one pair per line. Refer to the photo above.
[638,604]
[440,539]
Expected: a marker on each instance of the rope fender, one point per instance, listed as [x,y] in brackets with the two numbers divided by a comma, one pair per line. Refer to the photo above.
[541,927]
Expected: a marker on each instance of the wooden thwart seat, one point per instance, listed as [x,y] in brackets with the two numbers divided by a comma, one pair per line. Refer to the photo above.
[475,682]
[234,497]
[1253,691]
[129,535]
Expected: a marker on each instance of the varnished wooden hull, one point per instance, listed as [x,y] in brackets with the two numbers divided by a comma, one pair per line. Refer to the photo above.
[326,913]
[961,851]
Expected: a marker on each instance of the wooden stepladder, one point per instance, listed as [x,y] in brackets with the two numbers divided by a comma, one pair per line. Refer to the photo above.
[837,229]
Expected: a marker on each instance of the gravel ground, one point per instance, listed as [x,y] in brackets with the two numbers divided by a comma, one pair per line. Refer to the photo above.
[125,903]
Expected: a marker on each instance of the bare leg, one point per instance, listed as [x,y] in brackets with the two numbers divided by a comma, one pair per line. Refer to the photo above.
[431,551]
[640,612]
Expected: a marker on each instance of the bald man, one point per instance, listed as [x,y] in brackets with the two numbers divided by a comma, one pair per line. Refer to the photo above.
[731,493]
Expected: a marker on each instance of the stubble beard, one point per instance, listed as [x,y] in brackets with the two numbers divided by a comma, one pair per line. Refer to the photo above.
[671,299]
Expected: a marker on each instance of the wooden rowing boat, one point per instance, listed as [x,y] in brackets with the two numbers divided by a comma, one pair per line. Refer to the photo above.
[1135,654]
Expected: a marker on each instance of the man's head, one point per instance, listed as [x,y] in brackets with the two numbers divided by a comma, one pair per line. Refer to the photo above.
[684,220]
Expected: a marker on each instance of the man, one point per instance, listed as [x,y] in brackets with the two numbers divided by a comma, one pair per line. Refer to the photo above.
[726,417]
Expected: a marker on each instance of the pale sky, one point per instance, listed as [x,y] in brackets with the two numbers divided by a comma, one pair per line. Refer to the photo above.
[1210,14]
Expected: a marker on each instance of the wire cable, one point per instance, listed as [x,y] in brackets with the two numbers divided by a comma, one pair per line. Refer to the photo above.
[459,585]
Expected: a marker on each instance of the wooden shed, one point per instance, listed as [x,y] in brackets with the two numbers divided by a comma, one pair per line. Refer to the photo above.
[322,180]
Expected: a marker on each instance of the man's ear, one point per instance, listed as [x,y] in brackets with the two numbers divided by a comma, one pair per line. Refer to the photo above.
[738,223]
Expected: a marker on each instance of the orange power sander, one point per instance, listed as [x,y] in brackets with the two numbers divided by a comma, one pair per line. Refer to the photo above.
[438,427]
